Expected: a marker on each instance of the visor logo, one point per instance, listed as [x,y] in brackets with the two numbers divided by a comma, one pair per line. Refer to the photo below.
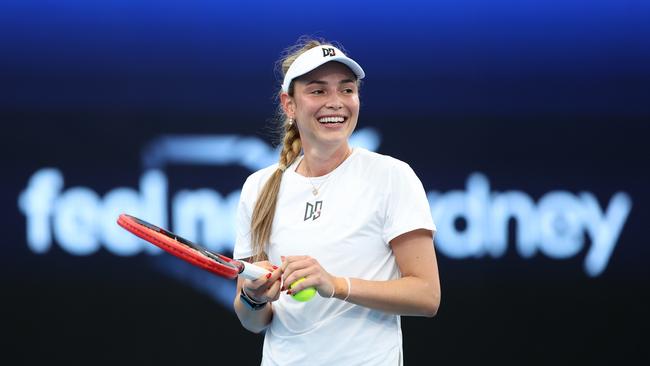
[329,52]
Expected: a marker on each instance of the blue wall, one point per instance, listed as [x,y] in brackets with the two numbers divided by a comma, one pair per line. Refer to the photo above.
[163,107]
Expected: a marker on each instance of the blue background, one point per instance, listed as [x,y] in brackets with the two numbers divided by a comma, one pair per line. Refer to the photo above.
[537,95]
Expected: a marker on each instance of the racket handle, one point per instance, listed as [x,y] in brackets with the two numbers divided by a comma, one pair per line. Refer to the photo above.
[251,271]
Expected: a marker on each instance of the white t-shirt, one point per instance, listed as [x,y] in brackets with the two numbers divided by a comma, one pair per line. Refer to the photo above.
[361,206]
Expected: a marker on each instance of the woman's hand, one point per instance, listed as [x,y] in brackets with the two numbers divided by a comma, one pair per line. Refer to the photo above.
[297,267]
[266,288]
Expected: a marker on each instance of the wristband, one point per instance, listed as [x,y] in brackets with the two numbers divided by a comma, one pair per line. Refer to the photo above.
[254,305]
[347,279]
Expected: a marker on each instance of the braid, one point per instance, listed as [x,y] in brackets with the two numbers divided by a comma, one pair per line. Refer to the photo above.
[291,145]
[264,211]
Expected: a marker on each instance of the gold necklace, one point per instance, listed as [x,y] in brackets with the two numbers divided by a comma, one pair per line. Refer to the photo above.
[316,190]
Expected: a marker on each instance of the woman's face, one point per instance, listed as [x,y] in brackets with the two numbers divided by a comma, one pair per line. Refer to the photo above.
[325,105]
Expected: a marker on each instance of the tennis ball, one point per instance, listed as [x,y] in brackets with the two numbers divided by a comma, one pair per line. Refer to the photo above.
[303,295]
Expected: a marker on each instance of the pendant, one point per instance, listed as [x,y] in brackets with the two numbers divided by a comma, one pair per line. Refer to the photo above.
[315,192]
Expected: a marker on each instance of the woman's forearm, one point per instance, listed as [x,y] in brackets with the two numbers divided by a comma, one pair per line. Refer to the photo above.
[405,296]
[253,320]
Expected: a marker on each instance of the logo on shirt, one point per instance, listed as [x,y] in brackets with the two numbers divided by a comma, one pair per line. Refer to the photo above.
[312,211]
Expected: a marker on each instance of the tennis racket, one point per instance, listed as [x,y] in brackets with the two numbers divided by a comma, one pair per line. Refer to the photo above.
[190,252]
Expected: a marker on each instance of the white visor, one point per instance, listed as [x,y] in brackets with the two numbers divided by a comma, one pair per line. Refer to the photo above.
[314,58]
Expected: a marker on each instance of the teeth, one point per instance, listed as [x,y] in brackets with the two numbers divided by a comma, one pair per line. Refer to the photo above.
[331,120]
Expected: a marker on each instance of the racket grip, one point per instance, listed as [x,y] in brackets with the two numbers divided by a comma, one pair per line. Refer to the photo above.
[252,272]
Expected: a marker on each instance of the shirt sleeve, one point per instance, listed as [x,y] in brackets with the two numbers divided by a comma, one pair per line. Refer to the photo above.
[243,247]
[407,207]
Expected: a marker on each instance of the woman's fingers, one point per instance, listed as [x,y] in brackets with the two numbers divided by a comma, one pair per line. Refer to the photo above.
[293,262]
[296,268]
[303,282]
[301,273]
[273,291]
[267,287]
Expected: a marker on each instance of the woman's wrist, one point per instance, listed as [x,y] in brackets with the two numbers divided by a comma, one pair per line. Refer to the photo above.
[342,288]
[251,298]
[251,302]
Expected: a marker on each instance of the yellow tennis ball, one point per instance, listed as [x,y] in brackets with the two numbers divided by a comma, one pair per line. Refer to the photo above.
[305,294]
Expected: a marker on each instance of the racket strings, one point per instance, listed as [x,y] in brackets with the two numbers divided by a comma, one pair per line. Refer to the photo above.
[203,251]
[216,257]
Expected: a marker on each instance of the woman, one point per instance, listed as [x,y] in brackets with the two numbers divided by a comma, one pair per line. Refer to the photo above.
[354,224]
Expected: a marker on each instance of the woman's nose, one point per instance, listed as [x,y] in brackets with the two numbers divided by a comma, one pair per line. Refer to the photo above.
[334,102]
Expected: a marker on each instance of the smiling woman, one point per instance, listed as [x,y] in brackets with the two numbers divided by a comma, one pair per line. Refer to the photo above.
[325,107]
[352,224]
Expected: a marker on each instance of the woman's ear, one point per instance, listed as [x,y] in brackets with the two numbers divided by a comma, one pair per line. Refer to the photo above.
[288,105]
